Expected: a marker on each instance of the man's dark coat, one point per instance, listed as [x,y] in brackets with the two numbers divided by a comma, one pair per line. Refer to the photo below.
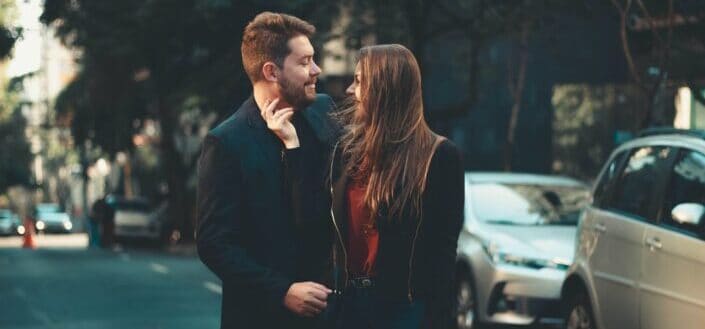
[247,234]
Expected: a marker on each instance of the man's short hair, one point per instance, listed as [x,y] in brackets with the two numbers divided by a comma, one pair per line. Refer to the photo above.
[266,38]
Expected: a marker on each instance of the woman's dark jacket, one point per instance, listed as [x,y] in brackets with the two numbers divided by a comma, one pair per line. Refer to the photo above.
[416,255]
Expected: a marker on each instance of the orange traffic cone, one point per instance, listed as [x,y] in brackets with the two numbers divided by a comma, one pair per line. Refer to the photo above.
[28,237]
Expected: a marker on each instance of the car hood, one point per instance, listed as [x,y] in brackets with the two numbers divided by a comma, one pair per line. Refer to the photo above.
[541,241]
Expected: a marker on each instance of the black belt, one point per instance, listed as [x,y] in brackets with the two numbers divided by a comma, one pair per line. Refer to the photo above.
[362,282]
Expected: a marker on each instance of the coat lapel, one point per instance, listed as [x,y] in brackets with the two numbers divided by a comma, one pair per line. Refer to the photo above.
[268,147]
[317,116]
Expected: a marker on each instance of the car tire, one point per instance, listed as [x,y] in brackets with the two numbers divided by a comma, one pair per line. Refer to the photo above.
[579,313]
[466,312]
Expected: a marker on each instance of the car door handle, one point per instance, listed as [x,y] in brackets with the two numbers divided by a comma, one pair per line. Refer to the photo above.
[654,243]
[602,228]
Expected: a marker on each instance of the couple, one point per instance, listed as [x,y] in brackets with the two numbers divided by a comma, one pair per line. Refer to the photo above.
[315,219]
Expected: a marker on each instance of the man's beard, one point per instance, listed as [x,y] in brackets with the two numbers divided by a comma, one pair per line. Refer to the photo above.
[294,95]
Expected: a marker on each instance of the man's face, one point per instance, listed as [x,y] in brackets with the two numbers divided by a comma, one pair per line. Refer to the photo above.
[297,83]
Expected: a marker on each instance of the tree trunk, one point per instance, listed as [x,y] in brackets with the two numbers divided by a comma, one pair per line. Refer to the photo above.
[180,207]
[516,88]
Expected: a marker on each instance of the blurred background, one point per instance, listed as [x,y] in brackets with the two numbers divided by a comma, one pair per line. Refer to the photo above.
[103,104]
[114,97]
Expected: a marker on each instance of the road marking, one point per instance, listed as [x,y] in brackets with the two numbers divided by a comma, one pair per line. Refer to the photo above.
[159,268]
[213,287]
[39,315]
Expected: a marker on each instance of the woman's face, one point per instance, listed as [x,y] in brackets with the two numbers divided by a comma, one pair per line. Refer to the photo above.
[354,91]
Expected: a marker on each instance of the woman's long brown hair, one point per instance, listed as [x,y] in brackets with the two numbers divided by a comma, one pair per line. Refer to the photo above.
[391,144]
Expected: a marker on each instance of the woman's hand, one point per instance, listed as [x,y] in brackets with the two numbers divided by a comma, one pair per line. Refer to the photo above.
[279,122]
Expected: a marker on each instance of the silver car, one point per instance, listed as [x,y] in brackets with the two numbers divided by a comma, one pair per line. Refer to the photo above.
[640,259]
[515,247]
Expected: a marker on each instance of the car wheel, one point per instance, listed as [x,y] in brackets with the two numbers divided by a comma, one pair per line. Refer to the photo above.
[467,303]
[579,314]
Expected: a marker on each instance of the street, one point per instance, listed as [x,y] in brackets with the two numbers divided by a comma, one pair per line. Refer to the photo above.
[64,285]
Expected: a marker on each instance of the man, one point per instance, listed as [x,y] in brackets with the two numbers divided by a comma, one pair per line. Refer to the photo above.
[267,258]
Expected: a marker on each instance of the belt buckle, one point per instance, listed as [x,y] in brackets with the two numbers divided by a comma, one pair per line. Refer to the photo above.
[366,283]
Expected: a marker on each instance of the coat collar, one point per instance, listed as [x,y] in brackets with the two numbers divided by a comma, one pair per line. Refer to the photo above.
[315,114]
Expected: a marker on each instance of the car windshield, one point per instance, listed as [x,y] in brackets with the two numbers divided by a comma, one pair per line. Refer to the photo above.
[521,204]
[48,208]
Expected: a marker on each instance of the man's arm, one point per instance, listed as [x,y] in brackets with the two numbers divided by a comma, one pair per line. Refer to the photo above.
[220,226]
[220,232]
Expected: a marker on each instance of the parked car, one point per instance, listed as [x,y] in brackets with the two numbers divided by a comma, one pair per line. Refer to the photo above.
[49,218]
[640,258]
[10,223]
[515,247]
[138,219]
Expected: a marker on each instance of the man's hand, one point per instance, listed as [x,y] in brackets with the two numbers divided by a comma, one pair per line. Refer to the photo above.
[279,122]
[306,299]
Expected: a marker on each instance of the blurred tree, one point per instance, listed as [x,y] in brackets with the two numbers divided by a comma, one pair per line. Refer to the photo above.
[15,157]
[8,33]
[416,23]
[586,119]
[663,44]
[156,59]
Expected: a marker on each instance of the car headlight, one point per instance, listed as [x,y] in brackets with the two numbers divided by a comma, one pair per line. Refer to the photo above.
[40,225]
[67,225]
[501,257]
[20,229]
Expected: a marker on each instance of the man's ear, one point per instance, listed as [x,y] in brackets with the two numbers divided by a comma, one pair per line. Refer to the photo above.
[270,71]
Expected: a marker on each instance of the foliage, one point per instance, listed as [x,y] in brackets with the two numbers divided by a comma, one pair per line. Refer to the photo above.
[15,157]
[154,59]
[586,119]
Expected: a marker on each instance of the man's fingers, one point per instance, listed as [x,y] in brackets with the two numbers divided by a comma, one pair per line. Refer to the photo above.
[318,304]
[272,106]
[269,108]
[320,287]
[319,294]
[310,311]
[281,112]
[286,116]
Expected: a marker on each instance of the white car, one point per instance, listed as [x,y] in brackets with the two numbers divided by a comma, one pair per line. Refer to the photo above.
[515,247]
[136,218]
[640,258]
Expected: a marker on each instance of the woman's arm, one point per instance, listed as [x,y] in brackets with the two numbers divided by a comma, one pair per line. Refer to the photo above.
[445,203]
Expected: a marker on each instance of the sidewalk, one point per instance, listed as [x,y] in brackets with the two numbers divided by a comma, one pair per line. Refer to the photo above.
[74,240]
[80,241]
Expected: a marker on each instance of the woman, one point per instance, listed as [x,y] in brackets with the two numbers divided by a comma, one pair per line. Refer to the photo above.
[396,200]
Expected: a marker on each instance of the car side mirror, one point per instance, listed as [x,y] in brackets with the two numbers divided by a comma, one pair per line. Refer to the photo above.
[688,213]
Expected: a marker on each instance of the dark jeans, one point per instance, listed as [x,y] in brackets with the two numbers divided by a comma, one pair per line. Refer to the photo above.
[364,308]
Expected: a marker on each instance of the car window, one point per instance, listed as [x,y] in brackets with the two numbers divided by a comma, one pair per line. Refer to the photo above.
[528,204]
[608,179]
[48,208]
[633,193]
[686,185]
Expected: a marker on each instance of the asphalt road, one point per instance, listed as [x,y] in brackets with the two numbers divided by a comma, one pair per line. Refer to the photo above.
[62,284]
